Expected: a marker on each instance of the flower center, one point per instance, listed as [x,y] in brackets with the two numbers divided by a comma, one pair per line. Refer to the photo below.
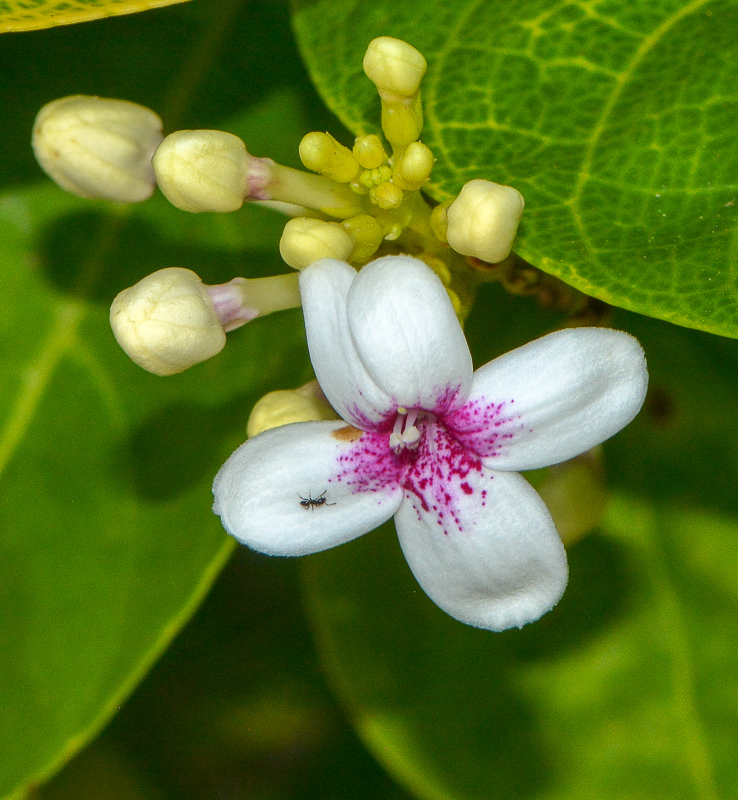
[404,433]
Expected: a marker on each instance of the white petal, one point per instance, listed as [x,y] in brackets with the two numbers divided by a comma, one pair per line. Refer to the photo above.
[553,399]
[324,288]
[269,493]
[407,334]
[501,567]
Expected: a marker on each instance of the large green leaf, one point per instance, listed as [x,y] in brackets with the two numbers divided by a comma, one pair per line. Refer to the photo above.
[107,541]
[616,121]
[629,688]
[17,15]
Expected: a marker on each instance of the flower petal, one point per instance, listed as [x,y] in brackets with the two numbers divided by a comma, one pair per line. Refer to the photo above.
[553,399]
[407,334]
[502,566]
[275,492]
[345,382]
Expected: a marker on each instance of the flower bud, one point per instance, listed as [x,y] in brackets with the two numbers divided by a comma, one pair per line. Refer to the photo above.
[439,221]
[320,152]
[575,493]
[97,147]
[367,234]
[305,241]
[386,195]
[439,267]
[414,167]
[306,404]
[167,322]
[370,178]
[394,66]
[203,170]
[483,220]
[369,152]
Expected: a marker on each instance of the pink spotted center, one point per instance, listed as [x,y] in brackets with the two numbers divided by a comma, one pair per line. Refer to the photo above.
[436,458]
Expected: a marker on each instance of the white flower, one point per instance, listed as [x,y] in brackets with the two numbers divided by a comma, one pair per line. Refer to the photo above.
[430,442]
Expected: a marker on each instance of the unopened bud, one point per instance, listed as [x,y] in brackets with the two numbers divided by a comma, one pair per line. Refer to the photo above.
[439,267]
[305,241]
[484,219]
[394,66]
[321,153]
[306,404]
[414,167]
[203,170]
[97,147]
[439,221]
[369,152]
[167,322]
[370,178]
[575,493]
[367,234]
[386,195]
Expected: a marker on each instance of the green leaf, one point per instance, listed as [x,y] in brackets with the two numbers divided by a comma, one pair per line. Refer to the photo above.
[628,688]
[615,121]
[107,540]
[20,15]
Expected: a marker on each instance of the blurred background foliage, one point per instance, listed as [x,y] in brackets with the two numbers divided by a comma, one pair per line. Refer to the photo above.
[331,676]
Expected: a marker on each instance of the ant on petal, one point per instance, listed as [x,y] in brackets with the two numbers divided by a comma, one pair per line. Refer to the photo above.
[310,502]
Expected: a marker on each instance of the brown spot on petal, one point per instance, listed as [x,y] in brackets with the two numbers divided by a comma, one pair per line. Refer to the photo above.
[348,434]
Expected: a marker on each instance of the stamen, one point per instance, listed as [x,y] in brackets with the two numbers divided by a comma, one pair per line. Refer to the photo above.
[395,440]
[404,431]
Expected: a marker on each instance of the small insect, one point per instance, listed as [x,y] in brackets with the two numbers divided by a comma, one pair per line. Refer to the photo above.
[310,502]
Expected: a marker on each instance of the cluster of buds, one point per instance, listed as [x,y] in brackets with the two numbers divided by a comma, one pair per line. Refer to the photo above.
[352,204]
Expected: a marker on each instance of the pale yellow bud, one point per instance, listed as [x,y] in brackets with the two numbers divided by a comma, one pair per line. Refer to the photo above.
[167,322]
[306,404]
[305,241]
[367,234]
[373,177]
[414,167]
[483,220]
[97,147]
[369,152]
[320,152]
[439,221]
[394,66]
[203,170]
[386,195]
[439,267]
[575,493]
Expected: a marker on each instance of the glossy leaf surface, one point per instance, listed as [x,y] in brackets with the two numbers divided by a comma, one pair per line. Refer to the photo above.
[615,120]
[16,15]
